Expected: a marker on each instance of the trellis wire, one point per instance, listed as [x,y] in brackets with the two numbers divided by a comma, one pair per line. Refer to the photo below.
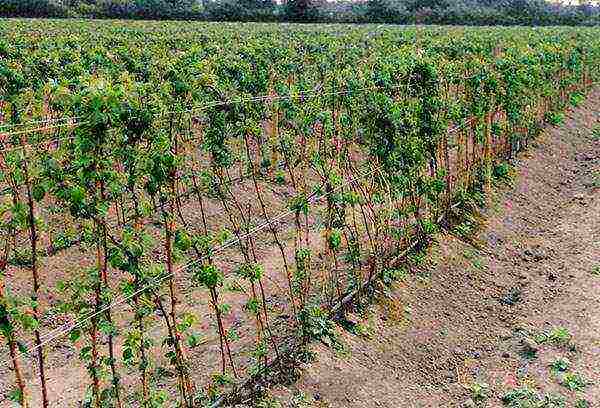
[262,98]
[60,331]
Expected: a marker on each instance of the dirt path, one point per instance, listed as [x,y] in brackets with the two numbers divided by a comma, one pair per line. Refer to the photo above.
[498,315]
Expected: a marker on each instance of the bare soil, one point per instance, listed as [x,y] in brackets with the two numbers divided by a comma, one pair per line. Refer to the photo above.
[432,335]
[66,374]
[476,311]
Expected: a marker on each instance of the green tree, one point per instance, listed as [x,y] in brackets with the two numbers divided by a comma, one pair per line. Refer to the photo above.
[303,10]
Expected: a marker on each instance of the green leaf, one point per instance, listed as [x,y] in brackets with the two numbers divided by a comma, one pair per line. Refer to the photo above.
[38,191]
[75,335]
[22,348]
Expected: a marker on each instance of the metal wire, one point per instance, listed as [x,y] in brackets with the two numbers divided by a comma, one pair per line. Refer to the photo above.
[60,331]
[262,98]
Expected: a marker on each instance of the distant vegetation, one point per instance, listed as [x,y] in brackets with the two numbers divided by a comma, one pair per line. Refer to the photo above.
[472,12]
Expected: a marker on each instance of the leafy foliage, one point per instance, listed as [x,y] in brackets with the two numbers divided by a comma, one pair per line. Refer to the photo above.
[226,187]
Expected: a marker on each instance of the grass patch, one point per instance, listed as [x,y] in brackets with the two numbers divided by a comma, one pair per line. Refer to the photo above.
[558,336]
[555,118]
[478,263]
[470,254]
[574,382]
[464,230]
[502,172]
[596,270]
[596,133]
[526,397]
[392,275]
[301,400]
[581,403]
[315,324]
[268,402]
[479,391]
[560,365]
[596,179]
[473,257]
[576,98]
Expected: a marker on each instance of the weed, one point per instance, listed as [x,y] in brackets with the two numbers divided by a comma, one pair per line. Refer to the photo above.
[477,263]
[559,336]
[21,257]
[555,118]
[392,275]
[464,229]
[340,350]
[479,391]
[576,98]
[501,172]
[363,330]
[511,298]
[301,400]
[222,379]
[526,397]
[553,401]
[473,256]
[596,179]
[560,365]
[469,199]
[280,177]
[305,355]
[316,325]
[64,240]
[469,254]
[596,133]
[596,270]
[573,382]
[541,338]
[267,402]
[417,257]
[581,403]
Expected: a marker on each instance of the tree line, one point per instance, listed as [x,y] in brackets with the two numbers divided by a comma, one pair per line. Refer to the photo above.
[472,12]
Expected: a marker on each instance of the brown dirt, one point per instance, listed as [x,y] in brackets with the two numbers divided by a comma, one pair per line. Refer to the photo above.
[440,317]
[464,316]
[66,375]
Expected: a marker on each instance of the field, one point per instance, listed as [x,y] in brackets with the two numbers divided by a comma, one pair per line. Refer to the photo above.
[185,204]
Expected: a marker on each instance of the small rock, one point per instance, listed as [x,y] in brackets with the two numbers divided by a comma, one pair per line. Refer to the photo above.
[505,355]
[505,334]
[535,254]
[352,318]
[469,404]
[530,345]
[512,297]
[522,371]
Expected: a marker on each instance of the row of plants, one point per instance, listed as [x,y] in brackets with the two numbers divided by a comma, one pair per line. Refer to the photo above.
[224,187]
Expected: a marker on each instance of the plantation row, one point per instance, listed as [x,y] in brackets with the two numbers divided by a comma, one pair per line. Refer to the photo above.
[185,203]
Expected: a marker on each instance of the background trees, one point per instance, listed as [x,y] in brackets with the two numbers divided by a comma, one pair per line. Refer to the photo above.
[468,12]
